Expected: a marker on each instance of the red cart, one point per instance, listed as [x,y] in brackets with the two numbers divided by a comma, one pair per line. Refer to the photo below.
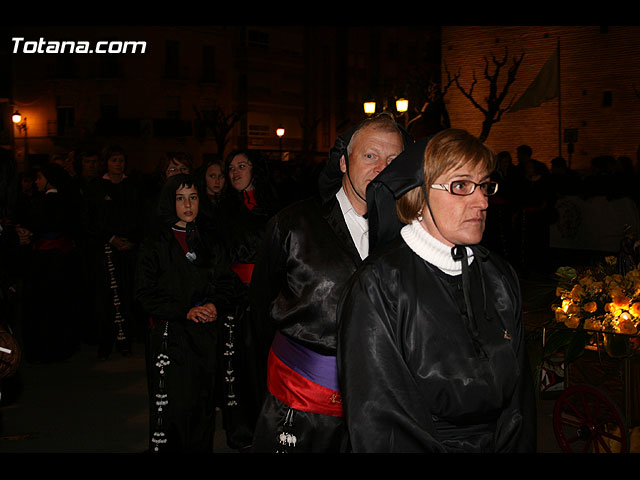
[599,405]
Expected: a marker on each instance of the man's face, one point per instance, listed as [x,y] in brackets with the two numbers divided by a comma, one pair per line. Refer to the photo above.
[90,166]
[373,149]
[115,164]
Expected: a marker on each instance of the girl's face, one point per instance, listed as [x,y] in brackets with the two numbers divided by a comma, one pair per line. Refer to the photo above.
[240,173]
[40,181]
[186,204]
[215,179]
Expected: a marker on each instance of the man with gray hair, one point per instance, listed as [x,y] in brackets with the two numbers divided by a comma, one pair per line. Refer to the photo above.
[311,250]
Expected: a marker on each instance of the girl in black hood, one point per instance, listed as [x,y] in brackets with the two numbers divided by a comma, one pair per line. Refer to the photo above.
[184,285]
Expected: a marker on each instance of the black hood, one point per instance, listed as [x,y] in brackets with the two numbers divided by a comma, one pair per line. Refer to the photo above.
[166,208]
[403,174]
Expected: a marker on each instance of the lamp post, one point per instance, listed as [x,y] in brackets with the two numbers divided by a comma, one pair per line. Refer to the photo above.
[280,134]
[402,106]
[21,123]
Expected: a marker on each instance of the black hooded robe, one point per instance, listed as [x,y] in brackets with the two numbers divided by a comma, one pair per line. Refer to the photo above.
[311,257]
[412,378]
[422,367]
[306,260]
[181,354]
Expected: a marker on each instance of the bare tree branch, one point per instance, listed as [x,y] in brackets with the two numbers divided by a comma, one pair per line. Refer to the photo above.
[493,110]
[219,123]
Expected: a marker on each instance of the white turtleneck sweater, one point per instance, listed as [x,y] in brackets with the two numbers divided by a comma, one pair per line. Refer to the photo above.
[432,250]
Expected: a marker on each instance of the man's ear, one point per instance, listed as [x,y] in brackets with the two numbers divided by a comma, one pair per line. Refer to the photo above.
[343,164]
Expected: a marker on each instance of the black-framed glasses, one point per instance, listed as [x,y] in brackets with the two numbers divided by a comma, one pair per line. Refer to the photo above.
[467,187]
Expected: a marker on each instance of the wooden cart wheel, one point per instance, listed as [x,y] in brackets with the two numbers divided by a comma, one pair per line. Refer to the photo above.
[585,420]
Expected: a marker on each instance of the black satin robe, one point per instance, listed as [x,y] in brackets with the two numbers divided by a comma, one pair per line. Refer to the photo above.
[167,287]
[307,260]
[413,380]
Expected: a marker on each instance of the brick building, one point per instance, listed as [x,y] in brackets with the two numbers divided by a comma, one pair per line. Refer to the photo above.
[599,88]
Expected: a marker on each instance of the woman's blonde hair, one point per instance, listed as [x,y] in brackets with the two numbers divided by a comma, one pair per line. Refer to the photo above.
[447,150]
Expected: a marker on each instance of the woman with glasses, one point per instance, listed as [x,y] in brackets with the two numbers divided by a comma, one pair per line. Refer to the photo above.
[431,349]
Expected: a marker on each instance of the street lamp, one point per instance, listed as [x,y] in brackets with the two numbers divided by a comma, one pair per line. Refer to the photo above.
[280,134]
[402,106]
[21,123]
[370,107]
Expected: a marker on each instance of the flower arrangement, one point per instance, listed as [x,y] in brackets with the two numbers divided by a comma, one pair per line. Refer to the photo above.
[599,299]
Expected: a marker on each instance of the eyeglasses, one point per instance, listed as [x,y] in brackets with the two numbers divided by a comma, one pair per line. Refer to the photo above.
[467,187]
[180,169]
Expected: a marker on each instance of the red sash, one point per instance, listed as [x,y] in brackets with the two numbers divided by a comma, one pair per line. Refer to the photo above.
[293,375]
[244,271]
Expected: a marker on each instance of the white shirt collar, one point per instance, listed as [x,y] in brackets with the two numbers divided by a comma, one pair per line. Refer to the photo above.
[358,225]
[432,250]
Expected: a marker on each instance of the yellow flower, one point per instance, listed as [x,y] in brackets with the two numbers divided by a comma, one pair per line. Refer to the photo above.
[573,309]
[633,275]
[620,300]
[612,308]
[611,260]
[560,315]
[626,326]
[576,292]
[592,323]
[595,287]
[590,307]
[572,322]
[635,309]
[586,280]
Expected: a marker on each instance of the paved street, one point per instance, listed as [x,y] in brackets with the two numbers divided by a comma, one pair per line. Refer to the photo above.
[82,405]
[86,405]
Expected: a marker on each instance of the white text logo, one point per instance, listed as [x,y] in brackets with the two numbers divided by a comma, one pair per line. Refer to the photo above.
[72,46]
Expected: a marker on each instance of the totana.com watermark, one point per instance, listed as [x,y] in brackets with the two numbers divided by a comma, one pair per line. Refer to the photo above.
[20,45]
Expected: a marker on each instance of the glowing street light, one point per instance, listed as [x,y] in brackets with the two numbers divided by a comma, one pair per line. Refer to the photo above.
[370,107]
[21,124]
[280,134]
[402,105]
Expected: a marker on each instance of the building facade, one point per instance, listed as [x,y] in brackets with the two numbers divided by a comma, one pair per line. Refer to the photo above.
[599,102]
[170,88]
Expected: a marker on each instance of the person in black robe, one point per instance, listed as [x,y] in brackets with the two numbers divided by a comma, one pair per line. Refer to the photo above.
[241,211]
[114,230]
[50,328]
[185,286]
[311,249]
[431,349]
